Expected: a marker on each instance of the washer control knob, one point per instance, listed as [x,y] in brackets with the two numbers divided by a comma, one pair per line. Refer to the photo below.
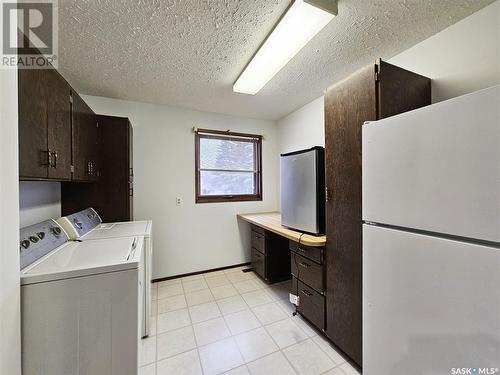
[34,239]
[78,223]
[25,244]
[56,231]
[41,235]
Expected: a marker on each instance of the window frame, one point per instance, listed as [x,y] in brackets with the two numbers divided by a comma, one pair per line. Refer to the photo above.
[228,135]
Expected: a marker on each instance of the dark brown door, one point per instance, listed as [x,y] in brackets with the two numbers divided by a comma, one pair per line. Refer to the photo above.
[131,169]
[114,186]
[348,105]
[32,103]
[58,125]
[85,141]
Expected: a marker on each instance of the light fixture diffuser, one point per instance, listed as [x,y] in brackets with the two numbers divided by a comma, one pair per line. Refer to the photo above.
[302,21]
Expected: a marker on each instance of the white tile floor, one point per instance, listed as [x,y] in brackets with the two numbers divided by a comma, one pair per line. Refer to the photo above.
[231,322]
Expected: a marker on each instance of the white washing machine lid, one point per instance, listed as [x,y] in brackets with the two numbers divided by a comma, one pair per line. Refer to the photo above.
[120,229]
[78,259]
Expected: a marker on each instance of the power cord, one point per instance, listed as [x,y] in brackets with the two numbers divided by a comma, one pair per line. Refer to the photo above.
[298,276]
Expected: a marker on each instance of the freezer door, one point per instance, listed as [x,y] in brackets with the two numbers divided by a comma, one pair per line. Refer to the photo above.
[429,304]
[437,168]
[298,191]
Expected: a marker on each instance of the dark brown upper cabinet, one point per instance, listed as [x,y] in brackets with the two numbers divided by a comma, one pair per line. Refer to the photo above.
[44,125]
[380,90]
[86,138]
[32,105]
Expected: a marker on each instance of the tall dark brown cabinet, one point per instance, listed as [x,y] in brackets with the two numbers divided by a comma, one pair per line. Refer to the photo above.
[112,192]
[375,92]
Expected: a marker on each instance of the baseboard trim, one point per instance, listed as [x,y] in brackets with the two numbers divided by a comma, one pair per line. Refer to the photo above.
[199,272]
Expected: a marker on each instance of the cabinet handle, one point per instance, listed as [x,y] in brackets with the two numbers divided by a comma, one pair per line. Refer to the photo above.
[91,168]
[302,250]
[88,168]
[55,160]
[305,265]
[306,292]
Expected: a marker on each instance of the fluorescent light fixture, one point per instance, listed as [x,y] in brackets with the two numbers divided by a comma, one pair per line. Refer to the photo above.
[302,21]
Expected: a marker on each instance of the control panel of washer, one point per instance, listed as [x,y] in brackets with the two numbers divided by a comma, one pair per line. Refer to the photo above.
[38,240]
[80,223]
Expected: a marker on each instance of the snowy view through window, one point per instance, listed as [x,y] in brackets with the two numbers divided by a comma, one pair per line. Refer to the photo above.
[227,167]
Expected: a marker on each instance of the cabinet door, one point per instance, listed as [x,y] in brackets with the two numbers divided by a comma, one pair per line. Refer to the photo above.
[115,193]
[85,141]
[130,169]
[347,105]
[33,148]
[58,126]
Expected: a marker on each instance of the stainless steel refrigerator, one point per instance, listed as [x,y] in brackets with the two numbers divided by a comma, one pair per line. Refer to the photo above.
[303,190]
[431,239]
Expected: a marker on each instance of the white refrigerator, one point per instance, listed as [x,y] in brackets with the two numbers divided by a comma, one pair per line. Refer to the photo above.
[431,239]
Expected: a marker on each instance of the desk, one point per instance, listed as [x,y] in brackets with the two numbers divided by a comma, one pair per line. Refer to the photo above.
[272,222]
[277,255]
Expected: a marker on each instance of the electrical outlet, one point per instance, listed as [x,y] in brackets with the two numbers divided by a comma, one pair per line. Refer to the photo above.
[178,201]
[294,299]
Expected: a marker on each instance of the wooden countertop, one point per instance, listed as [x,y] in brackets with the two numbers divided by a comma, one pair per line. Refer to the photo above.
[272,222]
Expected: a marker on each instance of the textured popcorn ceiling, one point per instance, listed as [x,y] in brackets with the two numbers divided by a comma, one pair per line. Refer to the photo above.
[188,53]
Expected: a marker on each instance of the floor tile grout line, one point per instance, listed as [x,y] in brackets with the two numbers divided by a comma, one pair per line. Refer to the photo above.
[324,351]
[334,367]
[255,329]
[199,360]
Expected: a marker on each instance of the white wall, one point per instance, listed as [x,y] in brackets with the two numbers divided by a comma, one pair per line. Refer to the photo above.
[38,201]
[10,338]
[303,128]
[192,237]
[462,58]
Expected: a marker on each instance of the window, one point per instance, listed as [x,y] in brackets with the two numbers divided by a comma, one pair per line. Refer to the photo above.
[228,166]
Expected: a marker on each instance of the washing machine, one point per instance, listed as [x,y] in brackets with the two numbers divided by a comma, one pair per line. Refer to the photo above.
[81,302]
[87,225]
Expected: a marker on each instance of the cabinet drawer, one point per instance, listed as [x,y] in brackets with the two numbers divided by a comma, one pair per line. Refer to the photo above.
[311,305]
[258,229]
[259,263]
[310,252]
[307,271]
[259,241]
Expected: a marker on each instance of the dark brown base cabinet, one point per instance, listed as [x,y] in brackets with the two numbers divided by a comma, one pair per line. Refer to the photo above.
[112,192]
[375,92]
[308,282]
[270,255]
